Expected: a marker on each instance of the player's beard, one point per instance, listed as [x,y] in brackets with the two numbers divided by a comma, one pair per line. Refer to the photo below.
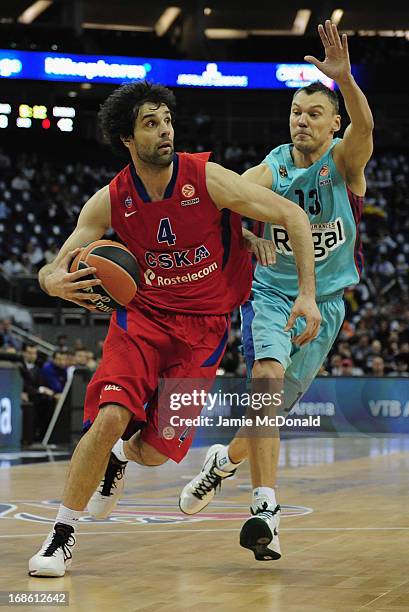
[155,157]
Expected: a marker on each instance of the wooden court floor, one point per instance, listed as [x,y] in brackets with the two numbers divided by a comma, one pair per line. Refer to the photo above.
[344,536]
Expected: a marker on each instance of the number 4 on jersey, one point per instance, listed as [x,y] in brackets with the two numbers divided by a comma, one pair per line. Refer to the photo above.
[165,233]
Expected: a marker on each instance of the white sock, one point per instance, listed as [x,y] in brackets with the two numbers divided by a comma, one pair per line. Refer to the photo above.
[68,516]
[118,450]
[261,494]
[224,462]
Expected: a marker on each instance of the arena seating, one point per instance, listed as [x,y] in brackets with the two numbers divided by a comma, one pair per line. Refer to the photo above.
[40,200]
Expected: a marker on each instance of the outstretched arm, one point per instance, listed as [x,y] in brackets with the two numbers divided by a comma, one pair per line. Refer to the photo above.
[353,153]
[229,190]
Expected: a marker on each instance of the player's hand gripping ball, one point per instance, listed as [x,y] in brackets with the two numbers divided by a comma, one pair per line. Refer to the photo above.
[116,267]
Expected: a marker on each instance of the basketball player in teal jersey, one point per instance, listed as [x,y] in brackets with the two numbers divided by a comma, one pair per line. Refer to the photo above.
[325,176]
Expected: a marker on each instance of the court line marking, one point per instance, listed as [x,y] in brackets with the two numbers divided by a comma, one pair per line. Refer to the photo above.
[382,454]
[167,502]
[157,531]
[388,592]
[36,463]
[376,599]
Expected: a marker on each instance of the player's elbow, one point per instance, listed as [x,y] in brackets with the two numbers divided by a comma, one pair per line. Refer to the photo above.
[294,216]
[366,131]
[365,128]
[371,125]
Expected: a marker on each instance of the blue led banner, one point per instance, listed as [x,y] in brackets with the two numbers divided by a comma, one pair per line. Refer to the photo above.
[332,407]
[10,410]
[358,405]
[48,66]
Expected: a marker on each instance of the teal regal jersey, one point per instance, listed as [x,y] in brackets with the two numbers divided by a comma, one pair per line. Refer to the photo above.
[334,213]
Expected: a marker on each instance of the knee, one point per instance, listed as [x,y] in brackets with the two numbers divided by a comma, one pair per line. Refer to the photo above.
[150,456]
[110,423]
[268,368]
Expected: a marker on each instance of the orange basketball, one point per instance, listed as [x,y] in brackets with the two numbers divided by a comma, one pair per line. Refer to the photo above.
[116,267]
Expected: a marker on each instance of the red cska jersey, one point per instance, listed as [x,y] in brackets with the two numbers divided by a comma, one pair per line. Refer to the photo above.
[191,255]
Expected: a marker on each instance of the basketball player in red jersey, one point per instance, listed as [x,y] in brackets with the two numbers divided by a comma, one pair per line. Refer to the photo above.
[180,216]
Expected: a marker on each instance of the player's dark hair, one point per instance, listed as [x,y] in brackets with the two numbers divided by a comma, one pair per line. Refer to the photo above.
[118,113]
[319,87]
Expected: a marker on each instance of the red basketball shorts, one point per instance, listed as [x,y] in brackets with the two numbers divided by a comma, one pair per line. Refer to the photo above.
[143,346]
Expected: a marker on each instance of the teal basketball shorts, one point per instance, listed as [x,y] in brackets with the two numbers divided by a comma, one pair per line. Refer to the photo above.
[264,318]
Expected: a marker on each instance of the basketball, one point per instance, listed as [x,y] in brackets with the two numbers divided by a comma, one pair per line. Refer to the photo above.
[116,267]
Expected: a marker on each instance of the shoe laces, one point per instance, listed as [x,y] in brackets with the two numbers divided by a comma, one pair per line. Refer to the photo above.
[264,511]
[62,538]
[114,472]
[209,481]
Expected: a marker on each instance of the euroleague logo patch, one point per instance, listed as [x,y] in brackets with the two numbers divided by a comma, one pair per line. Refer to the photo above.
[188,191]
[324,177]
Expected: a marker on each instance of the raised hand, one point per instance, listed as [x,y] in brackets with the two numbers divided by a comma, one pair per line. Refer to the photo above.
[336,64]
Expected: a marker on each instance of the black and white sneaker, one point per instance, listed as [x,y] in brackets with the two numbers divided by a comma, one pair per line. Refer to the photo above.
[54,557]
[108,494]
[199,492]
[260,533]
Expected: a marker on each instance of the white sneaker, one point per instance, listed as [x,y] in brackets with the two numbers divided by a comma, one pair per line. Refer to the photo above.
[260,533]
[54,557]
[108,494]
[199,492]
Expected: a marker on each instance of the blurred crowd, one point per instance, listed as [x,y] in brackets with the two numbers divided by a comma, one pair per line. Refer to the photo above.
[43,375]
[39,205]
[40,201]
